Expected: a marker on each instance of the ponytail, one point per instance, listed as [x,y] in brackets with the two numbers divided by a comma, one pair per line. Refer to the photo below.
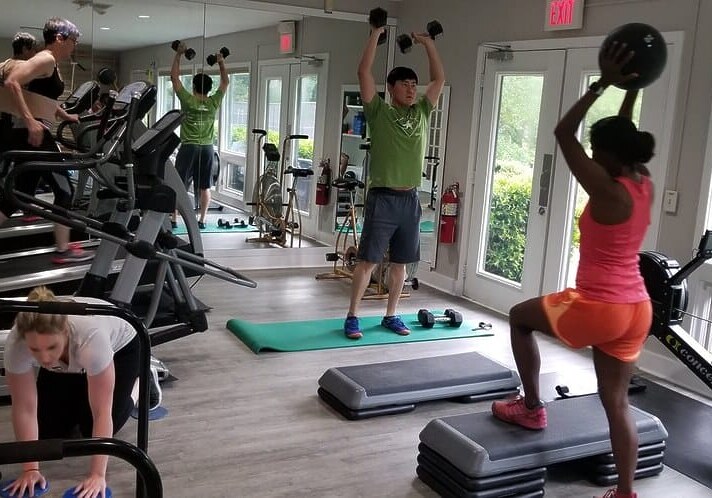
[40,323]
[644,145]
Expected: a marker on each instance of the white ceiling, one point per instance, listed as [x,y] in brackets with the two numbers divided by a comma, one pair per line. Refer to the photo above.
[169,20]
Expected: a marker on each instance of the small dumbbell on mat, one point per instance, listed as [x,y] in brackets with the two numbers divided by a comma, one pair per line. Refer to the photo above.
[378,18]
[39,490]
[213,58]
[224,224]
[189,52]
[240,223]
[450,317]
[405,42]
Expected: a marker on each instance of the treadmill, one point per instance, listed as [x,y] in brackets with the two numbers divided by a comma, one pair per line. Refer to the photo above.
[25,269]
[18,235]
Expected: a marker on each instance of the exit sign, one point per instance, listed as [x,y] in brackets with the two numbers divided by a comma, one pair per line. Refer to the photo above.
[563,14]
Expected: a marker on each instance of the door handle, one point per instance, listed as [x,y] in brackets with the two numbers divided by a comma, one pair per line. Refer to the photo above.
[545,183]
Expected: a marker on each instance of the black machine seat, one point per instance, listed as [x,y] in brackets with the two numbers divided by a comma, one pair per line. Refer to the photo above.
[348,182]
[299,172]
[271,152]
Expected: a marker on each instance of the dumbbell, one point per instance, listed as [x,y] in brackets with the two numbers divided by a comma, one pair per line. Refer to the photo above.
[240,223]
[189,52]
[224,224]
[213,58]
[428,319]
[378,18]
[405,42]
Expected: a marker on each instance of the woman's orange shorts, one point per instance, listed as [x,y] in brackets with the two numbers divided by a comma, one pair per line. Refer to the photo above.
[618,330]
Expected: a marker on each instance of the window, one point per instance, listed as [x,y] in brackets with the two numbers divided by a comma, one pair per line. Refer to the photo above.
[236,105]
[231,123]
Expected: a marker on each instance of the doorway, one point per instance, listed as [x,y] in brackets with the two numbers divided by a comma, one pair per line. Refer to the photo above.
[523,235]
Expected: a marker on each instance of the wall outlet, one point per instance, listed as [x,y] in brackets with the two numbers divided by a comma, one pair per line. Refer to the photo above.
[670,201]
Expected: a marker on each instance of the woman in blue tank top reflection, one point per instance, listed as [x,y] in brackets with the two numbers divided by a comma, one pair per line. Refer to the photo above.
[40,75]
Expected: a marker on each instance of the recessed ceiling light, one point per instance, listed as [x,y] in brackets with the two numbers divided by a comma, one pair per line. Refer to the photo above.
[144,17]
[105,28]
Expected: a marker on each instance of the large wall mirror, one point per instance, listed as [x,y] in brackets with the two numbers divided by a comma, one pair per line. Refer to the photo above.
[30,17]
[298,92]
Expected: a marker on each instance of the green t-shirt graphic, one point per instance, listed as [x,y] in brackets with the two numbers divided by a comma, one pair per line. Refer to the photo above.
[198,126]
[398,140]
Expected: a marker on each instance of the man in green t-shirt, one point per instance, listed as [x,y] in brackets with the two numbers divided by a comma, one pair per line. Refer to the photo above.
[195,156]
[392,210]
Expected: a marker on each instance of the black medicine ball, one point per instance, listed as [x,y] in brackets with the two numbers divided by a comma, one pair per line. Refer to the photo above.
[650,53]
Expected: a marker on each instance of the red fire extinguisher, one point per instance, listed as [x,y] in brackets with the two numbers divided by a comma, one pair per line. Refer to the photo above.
[323,183]
[449,204]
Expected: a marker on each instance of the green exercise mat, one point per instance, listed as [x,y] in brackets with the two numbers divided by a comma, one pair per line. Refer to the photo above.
[212,227]
[329,333]
[427,226]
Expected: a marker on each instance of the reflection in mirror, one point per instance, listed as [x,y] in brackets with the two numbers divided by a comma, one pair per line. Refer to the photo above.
[431,188]
[259,96]
[344,104]
[30,17]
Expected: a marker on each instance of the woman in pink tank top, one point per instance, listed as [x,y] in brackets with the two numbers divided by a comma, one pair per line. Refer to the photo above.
[609,309]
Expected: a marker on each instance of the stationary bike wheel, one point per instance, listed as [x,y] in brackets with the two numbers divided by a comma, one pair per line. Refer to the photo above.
[380,275]
[350,258]
[272,199]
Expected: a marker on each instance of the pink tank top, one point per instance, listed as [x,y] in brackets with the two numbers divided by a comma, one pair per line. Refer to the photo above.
[608,268]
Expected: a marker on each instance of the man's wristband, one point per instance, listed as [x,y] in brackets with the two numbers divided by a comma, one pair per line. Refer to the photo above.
[597,87]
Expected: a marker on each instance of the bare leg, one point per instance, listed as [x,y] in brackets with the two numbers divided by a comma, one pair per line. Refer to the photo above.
[396,278]
[61,237]
[524,318]
[359,282]
[204,203]
[613,379]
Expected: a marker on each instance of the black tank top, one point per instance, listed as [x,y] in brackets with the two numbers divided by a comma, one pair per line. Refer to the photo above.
[51,87]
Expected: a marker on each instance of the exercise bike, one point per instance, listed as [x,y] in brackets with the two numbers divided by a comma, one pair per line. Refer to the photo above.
[344,257]
[293,215]
[267,196]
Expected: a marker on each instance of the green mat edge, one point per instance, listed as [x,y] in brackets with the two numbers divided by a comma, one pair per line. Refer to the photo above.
[255,348]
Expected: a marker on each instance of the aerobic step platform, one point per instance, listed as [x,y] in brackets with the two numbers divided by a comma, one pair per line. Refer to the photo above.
[478,456]
[371,390]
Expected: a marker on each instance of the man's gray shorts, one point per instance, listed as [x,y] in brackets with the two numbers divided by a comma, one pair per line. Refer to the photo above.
[391,223]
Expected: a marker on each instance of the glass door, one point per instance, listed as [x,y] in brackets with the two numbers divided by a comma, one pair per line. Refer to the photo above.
[234,135]
[525,238]
[516,147]
[291,103]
